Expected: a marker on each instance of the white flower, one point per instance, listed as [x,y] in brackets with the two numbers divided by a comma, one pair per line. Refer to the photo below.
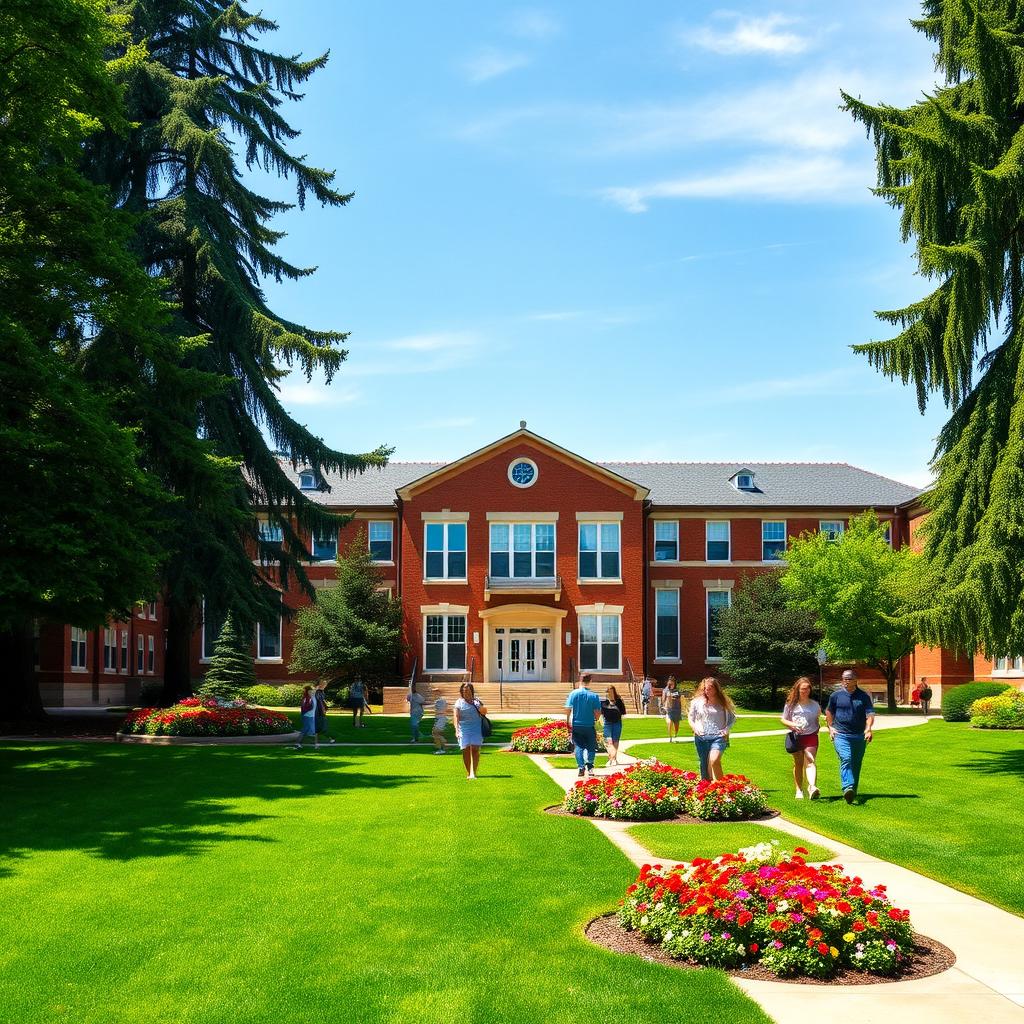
[686,934]
[645,919]
[668,935]
[859,956]
[783,904]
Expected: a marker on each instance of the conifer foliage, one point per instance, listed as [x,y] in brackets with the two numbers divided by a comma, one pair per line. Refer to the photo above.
[953,165]
[206,108]
[231,668]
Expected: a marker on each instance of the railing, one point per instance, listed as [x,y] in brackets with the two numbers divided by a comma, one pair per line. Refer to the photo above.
[572,671]
[472,667]
[412,675]
[634,690]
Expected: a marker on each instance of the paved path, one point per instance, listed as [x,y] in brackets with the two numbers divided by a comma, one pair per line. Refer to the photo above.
[985,986]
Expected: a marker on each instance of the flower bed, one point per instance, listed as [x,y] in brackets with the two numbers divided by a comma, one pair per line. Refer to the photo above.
[761,907]
[1005,711]
[206,717]
[546,738]
[652,791]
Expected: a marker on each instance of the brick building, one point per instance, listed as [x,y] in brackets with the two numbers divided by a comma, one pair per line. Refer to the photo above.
[523,564]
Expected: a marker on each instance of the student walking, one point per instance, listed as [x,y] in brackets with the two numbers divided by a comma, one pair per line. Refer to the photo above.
[440,724]
[711,716]
[645,696]
[415,701]
[802,716]
[469,728]
[320,718]
[307,718]
[583,709]
[851,718]
[357,701]
[671,703]
[612,710]
[925,697]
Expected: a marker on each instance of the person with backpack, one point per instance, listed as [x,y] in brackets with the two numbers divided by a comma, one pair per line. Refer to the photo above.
[470,715]
[925,696]
[307,718]
[320,699]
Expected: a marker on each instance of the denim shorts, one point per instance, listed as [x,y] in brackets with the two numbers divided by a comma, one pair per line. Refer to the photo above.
[712,743]
[612,731]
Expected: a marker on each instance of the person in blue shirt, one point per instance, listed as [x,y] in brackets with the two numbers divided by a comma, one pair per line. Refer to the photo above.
[582,710]
[851,718]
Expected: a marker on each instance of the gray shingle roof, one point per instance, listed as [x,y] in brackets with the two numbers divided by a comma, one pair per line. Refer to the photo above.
[695,484]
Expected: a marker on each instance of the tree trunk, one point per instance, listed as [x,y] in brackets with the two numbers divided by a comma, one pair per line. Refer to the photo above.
[19,698]
[889,668]
[178,659]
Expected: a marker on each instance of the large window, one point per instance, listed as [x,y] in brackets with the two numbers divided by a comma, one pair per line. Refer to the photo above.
[124,650]
[773,539]
[151,656]
[444,643]
[446,551]
[268,641]
[666,540]
[381,540]
[140,654]
[717,534]
[270,533]
[833,528]
[599,551]
[1009,666]
[523,550]
[78,647]
[717,600]
[109,650]
[600,643]
[325,546]
[666,628]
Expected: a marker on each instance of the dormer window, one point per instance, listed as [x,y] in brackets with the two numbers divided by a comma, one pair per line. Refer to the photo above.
[743,480]
[309,480]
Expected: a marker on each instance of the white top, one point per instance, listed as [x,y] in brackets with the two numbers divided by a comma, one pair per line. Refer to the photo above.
[805,716]
[709,719]
[440,722]
[416,702]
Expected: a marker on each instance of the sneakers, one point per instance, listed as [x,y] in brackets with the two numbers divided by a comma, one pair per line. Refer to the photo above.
[297,746]
[815,793]
[331,740]
[581,773]
[798,795]
[848,795]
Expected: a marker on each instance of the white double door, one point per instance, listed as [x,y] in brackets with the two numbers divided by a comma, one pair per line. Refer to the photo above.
[524,654]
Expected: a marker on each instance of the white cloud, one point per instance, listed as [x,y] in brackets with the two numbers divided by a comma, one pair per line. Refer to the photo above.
[751,35]
[430,352]
[308,393]
[440,341]
[773,178]
[491,63]
[533,24]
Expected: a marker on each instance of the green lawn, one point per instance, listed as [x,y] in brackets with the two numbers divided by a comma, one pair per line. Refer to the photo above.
[942,799]
[169,884]
[673,841]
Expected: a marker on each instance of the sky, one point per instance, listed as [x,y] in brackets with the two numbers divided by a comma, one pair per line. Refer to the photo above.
[645,229]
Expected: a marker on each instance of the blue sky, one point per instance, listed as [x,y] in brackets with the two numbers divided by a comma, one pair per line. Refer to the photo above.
[646,229]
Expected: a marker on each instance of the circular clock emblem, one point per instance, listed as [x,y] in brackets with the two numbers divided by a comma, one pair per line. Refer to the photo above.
[522,472]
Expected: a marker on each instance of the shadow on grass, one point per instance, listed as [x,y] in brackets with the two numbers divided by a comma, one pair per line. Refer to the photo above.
[124,804]
[997,762]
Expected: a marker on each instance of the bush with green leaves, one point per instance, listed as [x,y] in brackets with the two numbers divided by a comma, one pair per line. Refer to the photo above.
[262,695]
[1003,712]
[289,695]
[956,702]
[231,668]
[150,693]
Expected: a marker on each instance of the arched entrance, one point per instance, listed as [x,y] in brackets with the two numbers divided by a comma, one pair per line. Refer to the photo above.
[523,643]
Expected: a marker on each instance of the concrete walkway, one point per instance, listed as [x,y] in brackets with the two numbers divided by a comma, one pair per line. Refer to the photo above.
[985,986]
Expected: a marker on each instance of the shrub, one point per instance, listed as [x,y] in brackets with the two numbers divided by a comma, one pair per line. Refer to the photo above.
[231,668]
[209,717]
[150,692]
[262,694]
[289,695]
[754,698]
[956,703]
[1006,711]
[760,906]
[730,798]
[645,791]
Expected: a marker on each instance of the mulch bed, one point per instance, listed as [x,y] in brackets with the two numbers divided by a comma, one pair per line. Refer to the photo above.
[931,957]
[685,819]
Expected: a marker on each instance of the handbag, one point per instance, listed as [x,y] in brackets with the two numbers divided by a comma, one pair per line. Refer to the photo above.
[792,742]
[485,724]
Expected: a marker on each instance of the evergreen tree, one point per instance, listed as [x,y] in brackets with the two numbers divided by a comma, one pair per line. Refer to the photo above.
[231,668]
[207,87]
[765,641]
[953,165]
[863,594]
[353,628]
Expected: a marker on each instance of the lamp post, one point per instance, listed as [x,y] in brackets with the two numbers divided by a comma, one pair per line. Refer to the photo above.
[822,658]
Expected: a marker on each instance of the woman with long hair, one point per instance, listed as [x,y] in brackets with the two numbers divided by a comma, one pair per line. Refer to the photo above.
[711,715]
[468,728]
[672,708]
[612,710]
[802,716]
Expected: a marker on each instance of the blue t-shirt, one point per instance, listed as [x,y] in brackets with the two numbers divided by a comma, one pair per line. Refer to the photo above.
[584,703]
[850,711]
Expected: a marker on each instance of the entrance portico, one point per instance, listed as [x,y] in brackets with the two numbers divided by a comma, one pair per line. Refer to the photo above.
[522,643]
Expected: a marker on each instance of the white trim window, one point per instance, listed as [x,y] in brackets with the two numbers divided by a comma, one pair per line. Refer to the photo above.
[381,540]
[79,648]
[325,546]
[151,655]
[109,650]
[773,540]
[268,642]
[444,643]
[522,550]
[833,528]
[152,609]
[309,480]
[1008,667]
[125,667]
[445,551]
[271,534]
[666,624]
[666,540]
[717,600]
[140,654]
[717,534]
[599,551]
[600,643]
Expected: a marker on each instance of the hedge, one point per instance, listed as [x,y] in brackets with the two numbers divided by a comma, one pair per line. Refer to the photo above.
[956,703]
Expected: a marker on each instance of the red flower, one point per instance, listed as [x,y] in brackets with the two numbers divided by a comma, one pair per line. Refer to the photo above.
[815,933]
[843,907]
[754,947]
[858,926]
[823,949]
[778,925]
[744,918]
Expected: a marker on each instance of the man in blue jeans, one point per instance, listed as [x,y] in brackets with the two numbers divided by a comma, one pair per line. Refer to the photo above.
[582,710]
[851,718]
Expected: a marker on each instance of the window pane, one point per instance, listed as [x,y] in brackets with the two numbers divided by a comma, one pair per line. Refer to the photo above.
[434,656]
[435,628]
[381,537]
[588,629]
[270,641]
[610,564]
[718,531]
[499,563]
[609,536]
[588,564]
[610,656]
[456,536]
[456,564]
[588,656]
[773,530]
[435,536]
[499,536]
[545,563]
[772,550]
[325,547]
[380,551]
[665,551]
[588,536]
[609,628]
[381,530]
[718,551]
[717,600]
[435,564]
[521,536]
[545,537]
[523,563]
